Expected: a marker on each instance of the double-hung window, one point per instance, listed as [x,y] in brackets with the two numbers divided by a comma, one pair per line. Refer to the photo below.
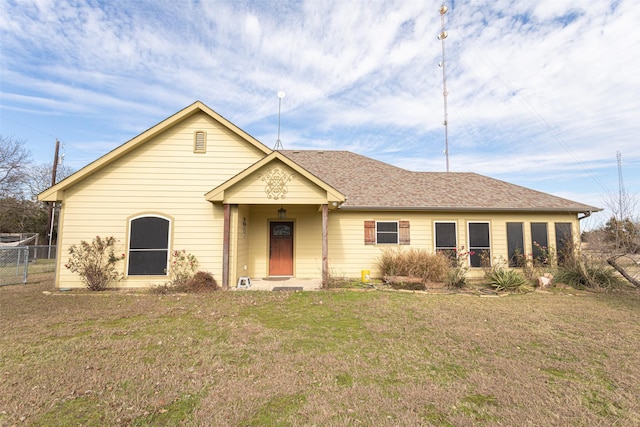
[479,244]
[148,246]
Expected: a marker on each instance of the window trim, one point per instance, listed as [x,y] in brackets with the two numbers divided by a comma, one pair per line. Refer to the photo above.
[396,233]
[450,251]
[476,248]
[168,249]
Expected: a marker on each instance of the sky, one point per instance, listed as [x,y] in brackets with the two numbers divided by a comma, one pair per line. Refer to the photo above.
[542,94]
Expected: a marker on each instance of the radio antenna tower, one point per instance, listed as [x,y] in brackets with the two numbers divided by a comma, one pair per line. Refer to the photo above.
[278,142]
[443,35]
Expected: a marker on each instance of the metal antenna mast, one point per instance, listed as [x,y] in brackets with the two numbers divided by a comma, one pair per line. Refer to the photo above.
[443,35]
[278,142]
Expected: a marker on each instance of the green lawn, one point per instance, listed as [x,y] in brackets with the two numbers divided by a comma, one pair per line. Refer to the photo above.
[318,358]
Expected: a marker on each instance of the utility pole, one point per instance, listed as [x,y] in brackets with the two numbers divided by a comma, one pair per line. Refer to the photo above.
[52,205]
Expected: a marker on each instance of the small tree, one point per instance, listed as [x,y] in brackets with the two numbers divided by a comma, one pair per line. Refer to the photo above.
[95,262]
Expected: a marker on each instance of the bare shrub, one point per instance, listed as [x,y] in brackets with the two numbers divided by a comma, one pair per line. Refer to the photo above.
[201,282]
[95,262]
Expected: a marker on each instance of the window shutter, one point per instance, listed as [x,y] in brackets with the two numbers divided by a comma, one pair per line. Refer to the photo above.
[369,232]
[404,238]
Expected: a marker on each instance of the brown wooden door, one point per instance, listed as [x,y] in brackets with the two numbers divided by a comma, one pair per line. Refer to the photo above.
[281,249]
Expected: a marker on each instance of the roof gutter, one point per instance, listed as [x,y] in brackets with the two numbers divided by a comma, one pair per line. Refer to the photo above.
[451,209]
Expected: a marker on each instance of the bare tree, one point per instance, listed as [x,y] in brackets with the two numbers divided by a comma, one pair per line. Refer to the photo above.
[40,177]
[14,162]
[618,241]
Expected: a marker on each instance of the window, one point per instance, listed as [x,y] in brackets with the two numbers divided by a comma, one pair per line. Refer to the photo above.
[539,242]
[564,240]
[148,246]
[387,232]
[445,238]
[479,244]
[200,142]
[515,244]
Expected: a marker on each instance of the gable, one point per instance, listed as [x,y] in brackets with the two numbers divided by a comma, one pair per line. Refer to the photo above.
[275,180]
[170,147]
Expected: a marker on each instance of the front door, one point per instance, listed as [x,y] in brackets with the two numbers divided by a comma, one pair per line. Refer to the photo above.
[281,249]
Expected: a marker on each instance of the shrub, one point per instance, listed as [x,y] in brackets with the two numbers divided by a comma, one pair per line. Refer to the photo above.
[456,277]
[413,263]
[200,282]
[182,268]
[585,272]
[502,278]
[95,262]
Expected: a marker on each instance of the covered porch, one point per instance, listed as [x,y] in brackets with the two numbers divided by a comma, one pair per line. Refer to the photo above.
[275,225]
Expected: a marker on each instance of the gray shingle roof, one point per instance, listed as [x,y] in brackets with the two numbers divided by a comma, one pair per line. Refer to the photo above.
[371,184]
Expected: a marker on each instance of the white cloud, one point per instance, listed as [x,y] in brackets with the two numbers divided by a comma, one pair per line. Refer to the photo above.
[547,83]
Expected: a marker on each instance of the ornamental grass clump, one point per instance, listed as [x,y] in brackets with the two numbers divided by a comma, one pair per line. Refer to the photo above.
[417,263]
[95,262]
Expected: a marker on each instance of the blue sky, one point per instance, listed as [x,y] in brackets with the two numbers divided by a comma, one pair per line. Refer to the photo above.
[541,93]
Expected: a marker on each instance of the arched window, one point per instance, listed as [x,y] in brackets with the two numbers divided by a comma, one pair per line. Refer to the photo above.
[148,246]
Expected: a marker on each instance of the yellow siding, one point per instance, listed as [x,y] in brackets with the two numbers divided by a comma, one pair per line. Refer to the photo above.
[348,255]
[163,176]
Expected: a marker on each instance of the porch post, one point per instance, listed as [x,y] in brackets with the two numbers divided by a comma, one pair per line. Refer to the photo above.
[225,246]
[325,246]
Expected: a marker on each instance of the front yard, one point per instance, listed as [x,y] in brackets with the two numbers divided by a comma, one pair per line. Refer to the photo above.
[339,357]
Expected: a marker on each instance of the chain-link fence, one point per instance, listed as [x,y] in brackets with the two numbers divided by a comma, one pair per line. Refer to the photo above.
[42,252]
[14,264]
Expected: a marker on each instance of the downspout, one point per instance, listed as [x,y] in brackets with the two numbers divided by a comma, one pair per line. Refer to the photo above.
[586,214]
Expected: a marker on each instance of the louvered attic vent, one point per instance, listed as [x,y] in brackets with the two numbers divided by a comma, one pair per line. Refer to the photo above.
[200,142]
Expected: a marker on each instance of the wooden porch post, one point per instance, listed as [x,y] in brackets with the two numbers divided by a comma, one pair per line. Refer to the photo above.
[325,246]
[225,246]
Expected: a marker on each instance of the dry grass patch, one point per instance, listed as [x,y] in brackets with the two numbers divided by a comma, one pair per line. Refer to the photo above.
[317,358]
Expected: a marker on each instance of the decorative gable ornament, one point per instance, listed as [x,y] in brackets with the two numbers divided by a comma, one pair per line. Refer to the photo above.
[276,183]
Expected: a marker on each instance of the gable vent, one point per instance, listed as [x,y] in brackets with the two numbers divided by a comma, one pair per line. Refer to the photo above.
[200,143]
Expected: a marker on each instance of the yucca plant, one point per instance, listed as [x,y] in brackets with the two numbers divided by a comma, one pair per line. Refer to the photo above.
[504,279]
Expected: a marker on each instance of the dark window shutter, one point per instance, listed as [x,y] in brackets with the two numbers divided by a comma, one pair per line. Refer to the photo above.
[369,232]
[405,237]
